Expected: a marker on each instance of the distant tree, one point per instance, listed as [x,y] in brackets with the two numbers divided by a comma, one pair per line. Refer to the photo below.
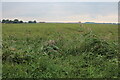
[16,21]
[20,21]
[29,21]
[7,21]
[34,21]
[10,21]
[41,22]
[3,21]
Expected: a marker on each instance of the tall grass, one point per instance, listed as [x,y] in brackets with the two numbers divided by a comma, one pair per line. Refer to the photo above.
[59,51]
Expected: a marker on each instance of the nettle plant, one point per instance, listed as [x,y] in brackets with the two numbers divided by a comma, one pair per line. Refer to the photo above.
[99,46]
[49,48]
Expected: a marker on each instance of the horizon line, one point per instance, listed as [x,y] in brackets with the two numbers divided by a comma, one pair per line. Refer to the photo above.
[60,21]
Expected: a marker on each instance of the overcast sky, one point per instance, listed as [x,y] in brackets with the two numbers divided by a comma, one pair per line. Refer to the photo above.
[59,0]
[61,11]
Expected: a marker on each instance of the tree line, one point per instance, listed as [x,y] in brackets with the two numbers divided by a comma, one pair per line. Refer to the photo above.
[16,21]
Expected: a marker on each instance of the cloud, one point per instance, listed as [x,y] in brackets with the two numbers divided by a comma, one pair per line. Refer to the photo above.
[66,11]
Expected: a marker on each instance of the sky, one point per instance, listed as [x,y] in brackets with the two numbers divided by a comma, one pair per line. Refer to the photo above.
[59,0]
[61,11]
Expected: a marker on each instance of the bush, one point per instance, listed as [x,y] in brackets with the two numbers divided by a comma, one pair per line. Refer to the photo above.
[50,48]
[99,46]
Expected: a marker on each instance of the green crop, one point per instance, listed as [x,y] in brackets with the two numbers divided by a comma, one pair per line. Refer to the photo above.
[56,50]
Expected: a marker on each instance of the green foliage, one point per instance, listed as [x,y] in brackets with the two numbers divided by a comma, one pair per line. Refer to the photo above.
[10,21]
[50,48]
[60,51]
[99,46]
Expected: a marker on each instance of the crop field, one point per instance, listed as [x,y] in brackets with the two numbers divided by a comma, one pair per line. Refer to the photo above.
[60,50]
